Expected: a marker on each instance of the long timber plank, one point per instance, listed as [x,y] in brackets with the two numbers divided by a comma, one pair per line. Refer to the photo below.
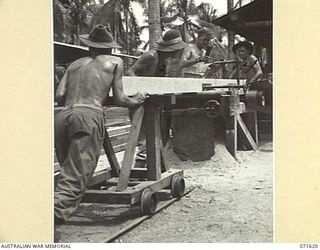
[132,85]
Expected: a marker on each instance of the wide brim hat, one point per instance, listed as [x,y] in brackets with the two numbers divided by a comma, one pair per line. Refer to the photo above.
[171,41]
[247,45]
[99,37]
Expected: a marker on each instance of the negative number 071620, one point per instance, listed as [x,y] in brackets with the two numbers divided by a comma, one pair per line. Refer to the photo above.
[308,245]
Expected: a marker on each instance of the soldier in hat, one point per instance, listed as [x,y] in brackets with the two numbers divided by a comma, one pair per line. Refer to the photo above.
[162,61]
[79,127]
[249,67]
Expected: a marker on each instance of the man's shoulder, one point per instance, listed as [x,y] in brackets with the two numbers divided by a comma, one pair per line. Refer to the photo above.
[190,48]
[252,58]
[149,55]
[109,58]
[78,63]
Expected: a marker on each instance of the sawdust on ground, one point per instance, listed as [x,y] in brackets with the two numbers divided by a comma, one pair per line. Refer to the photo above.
[232,201]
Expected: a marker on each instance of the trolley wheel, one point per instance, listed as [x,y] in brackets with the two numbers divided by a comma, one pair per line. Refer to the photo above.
[148,202]
[177,186]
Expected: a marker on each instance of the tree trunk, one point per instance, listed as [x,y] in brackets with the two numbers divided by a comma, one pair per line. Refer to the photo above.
[154,22]
[127,30]
[230,33]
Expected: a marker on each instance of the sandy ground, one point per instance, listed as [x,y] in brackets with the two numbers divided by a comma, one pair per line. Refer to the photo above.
[232,201]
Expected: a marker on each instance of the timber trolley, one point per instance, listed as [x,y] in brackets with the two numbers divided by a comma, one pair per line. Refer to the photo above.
[131,186]
[138,185]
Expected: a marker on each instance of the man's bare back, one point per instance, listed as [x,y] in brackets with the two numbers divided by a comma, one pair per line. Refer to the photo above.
[88,80]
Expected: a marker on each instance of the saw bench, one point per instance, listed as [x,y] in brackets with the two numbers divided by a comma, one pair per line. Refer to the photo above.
[132,186]
[218,98]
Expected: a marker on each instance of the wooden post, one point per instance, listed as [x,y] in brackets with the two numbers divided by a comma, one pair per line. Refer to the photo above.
[111,155]
[153,137]
[165,120]
[130,149]
[231,135]
[230,33]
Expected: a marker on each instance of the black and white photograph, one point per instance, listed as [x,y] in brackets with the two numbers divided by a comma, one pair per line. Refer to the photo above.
[163,121]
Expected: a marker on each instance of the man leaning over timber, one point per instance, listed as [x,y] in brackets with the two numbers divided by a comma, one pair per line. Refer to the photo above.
[194,61]
[80,126]
[162,61]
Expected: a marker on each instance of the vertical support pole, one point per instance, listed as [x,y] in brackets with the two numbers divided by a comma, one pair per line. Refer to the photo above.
[130,149]
[111,155]
[165,125]
[165,121]
[231,135]
[153,136]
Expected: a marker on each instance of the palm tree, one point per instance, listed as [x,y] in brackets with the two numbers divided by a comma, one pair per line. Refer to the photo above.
[154,21]
[62,22]
[118,16]
[186,16]
[71,18]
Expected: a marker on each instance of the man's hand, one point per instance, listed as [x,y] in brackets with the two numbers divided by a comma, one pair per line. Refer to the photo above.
[140,97]
[205,59]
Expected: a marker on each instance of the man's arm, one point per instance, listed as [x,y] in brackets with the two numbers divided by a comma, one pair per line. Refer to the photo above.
[141,65]
[187,61]
[120,98]
[62,89]
[257,69]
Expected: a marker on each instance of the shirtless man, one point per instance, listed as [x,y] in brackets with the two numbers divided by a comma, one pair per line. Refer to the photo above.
[193,62]
[79,127]
[249,67]
[162,61]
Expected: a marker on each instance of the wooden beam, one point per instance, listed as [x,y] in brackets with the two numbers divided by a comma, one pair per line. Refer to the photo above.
[250,119]
[130,149]
[258,24]
[162,85]
[231,135]
[131,195]
[153,137]
[118,130]
[246,132]
[111,155]
[164,159]
[100,177]
[165,121]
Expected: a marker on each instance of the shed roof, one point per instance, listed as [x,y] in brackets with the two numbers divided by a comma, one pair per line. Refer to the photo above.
[252,21]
